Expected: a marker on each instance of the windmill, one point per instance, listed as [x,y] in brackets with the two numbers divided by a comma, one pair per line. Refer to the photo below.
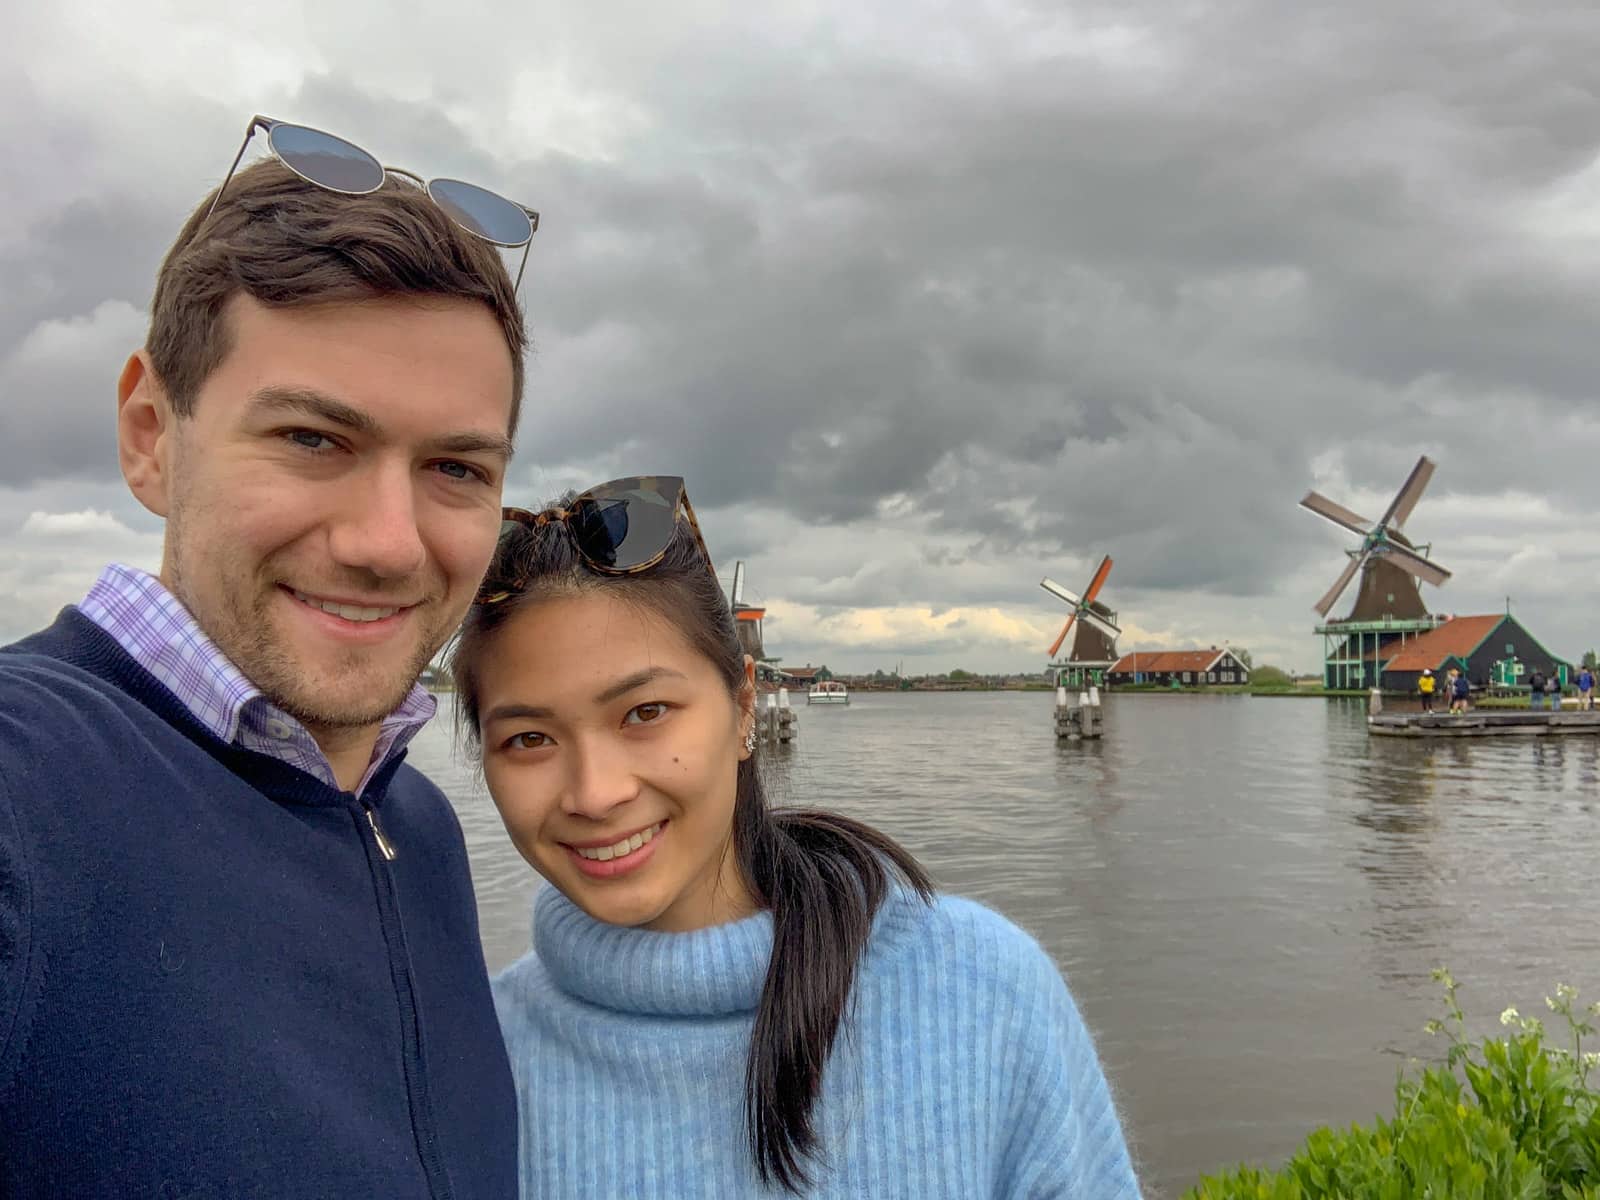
[746,617]
[1388,561]
[1094,649]
[1389,606]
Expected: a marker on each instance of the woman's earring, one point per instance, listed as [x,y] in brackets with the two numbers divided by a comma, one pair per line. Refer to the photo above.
[750,741]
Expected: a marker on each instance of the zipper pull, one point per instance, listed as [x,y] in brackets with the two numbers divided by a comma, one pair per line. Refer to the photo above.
[384,846]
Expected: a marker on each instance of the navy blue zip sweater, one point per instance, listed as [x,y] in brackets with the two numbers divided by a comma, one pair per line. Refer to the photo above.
[213,983]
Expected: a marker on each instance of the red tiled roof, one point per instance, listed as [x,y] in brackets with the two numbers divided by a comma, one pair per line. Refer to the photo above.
[1161,662]
[800,672]
[1456,638]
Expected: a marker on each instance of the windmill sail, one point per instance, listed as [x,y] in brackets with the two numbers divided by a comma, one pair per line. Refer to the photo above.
[1389,565]
[1096,640]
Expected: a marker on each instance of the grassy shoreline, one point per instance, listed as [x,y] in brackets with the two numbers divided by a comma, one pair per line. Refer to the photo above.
[1510,1116]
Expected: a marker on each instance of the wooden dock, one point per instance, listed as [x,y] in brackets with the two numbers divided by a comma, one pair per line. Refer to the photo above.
[1078,720]
[776,722]
[1487,722]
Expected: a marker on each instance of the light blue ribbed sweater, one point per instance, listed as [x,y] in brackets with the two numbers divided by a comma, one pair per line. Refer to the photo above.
[963,1072]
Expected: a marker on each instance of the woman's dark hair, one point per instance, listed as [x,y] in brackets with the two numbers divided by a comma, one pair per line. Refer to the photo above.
[823,876]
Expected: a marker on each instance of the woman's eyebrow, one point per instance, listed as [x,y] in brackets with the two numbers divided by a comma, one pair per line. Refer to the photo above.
[538,712]
[506,712]
[637,680]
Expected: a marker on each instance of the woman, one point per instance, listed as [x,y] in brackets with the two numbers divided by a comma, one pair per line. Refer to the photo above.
[724,1000]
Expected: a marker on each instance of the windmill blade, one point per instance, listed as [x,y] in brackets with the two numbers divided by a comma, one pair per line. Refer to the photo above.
[1055,589]
[1337,513]
[1095,621]
[1055,646]
[1098,581]
[1332,597]
[1410,492]
[1415,564]
[736,596]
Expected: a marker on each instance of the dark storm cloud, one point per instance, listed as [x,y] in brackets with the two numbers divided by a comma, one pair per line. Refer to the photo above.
[1142,305]
[1071,282]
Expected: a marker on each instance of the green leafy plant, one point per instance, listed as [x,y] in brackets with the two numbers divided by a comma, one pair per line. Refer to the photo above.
[1505,1118]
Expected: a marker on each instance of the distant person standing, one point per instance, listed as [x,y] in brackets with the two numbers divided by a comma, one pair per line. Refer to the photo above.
[1552,689]
[1425,689]
[1586,689]
[1460,691]
[1536,689]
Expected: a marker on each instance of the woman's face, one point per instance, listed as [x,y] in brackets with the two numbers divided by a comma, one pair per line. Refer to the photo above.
[611,748]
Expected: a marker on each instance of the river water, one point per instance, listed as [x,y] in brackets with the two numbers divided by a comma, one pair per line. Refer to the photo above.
[1246,895]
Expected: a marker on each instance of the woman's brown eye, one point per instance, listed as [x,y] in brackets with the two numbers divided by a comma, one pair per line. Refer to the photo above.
[645,713]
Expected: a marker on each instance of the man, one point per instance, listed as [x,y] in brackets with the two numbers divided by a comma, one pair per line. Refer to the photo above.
[1536,689]
[239,952]
[1585,689]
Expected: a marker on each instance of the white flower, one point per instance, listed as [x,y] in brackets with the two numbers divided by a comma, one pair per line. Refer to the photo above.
[1510,1015]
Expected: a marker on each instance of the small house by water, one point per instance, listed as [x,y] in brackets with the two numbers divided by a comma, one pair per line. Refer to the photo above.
[1195,668]
[1492,651]
[804,676]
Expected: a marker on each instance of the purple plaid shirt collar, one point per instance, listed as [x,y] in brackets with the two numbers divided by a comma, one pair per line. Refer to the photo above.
[161,636]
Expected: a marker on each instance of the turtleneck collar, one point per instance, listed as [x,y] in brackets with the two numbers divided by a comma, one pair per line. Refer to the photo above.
[713,972]
[706,973]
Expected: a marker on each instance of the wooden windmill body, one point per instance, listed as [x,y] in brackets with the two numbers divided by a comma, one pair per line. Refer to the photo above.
[1389,609]
[1094,645]
[747,618]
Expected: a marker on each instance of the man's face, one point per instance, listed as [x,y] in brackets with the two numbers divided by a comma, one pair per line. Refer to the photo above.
[334,499]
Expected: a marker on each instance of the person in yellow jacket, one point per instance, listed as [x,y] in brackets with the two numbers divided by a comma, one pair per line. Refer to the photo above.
[1425,687]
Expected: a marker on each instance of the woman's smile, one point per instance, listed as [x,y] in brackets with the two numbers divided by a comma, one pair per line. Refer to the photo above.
[607,860]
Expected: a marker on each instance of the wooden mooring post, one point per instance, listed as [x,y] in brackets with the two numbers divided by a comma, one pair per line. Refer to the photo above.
[776,722]
[1076,721]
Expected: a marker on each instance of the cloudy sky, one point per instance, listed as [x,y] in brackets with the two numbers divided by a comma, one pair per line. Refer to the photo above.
[924,300]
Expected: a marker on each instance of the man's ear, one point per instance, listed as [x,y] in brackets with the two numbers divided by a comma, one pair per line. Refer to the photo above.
[145,425]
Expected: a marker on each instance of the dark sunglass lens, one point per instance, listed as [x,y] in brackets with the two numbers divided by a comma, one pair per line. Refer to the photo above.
[326,160]
[625,528]
[600,528]
[480,211]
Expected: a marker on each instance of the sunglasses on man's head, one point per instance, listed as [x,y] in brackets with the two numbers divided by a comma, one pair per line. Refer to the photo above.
[617,528]
[340,166]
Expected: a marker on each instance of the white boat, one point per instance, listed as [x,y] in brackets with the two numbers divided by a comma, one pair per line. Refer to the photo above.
[829,691]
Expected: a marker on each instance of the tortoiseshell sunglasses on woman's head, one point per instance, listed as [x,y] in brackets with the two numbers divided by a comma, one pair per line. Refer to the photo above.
[618,528]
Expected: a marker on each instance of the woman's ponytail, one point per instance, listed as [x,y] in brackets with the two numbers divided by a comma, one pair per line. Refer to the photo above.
[823,877]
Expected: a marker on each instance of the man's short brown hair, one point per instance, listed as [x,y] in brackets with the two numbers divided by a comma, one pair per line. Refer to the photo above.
[285,243]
